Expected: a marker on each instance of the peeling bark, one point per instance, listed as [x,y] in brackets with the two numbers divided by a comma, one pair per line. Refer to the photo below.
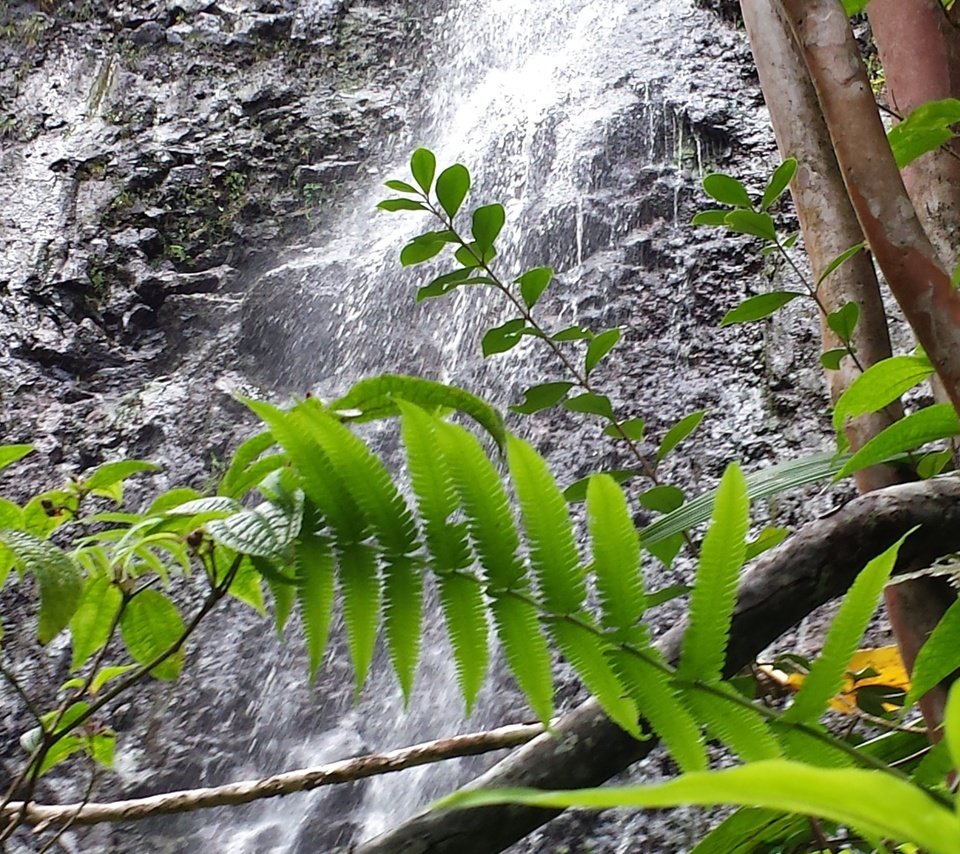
[905,255]
[815,565]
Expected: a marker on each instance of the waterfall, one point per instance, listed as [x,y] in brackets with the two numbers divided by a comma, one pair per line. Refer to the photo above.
[571,114]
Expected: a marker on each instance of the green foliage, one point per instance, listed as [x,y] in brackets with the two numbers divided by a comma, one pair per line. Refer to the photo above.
[926,128]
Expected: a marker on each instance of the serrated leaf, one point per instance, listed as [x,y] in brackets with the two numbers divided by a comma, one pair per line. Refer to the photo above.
[10,454]
[752,223]
[663,498]
[632,429]
[591,404]
[712,218]
[680,431]
[827,672]
[393,205]
[541,396]
[403,612]
[533,283]
[546,519]
[264,531]
[400,186]
[778,182]
[526,652]
[925,129]
[759,307]
[150,626]
[841,259]
[461,601]
[742,729]
[418,252]
[315,588]
[245,455]
[502,338]
[453,184]
[91,622]
[487,224]
[58,577]
[423,165]
[935,422]
[577,491]
[360,593]
[616,554]
[726,190]
[937,658]
[379,397]
[598,347]
[831,359]
[284,594]
[843,321]
[714,593]
[880,385]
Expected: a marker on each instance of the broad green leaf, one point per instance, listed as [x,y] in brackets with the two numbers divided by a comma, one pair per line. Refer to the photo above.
[712,218]
[265,530]
[9,454]
[101,747]
[726,190]
[218,505]
[616,554]
[926,128]
[827,673]
[714,594]
[680,431]
[880,385]
[951,725]
[938,657]
[487,223]
[400,186]
[173,498]
[778,182]
[766,539]
[378,397]
[105,675]
[91,622]
[542,396]
[546,519]
[665,549]
[632,429]
[58,577]
[843,321]
[461,600]
[572,333]
[759,307]
[841,259]
[533,283]
[417,252]
[930,465]
[577,491]
[662,498]
[526,651]
[247,587]
[393,205]
[111,473]
[423,165]
[753,223]
[442,285]
[831,359]
[591,404]
[935,422]
[452,186]
[598,347]
[873,803]
[150,626]
[502,338]
[473,256]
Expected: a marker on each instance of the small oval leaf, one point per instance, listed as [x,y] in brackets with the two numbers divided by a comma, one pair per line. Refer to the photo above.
[727,190]
[759,307]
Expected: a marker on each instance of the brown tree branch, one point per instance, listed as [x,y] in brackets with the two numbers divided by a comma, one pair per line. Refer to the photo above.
[347,770]
[585,748]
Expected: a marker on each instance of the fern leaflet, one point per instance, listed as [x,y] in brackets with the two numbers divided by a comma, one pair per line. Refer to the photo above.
[526,651]
[314,591]
[463,610]
[403,612]
[714,593]
[360,588]
[747,829]
[826,674]
[553,551]
[740,728]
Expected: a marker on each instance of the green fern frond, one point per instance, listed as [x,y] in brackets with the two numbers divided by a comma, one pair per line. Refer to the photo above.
[364,475]
[360,589]
[315,592]
[826,674]
[587,653]
[748,829]
[526,651]
[434,489]
[284,594]
[616,554]
[382,397]
[659,704]
[714,592]
[802,745]
[461,600]
[553,550]
[402,615]
[320,481]
[743,730]
[485,504]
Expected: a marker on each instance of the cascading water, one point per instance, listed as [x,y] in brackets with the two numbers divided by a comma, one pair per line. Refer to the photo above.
[573,115]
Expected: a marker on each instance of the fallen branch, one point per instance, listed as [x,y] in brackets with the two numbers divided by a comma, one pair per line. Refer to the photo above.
[344,771]
[815,565]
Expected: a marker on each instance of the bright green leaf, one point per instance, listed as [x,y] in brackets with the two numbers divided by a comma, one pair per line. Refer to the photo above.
[542,396]
[533,283]
[926,128]
[592,404]
[452,186]
[759,307]
[9,454]
[151,626]
[753,223]
[423,165]
[487,223]
[502,338]
[842,258]
[779,181]
[843,321]
[91,622]
[726,190]
[680,431]
[632,429]
[880,385]
[400,186]
[393,205]
[712,218]
[599,347]
[417,253]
